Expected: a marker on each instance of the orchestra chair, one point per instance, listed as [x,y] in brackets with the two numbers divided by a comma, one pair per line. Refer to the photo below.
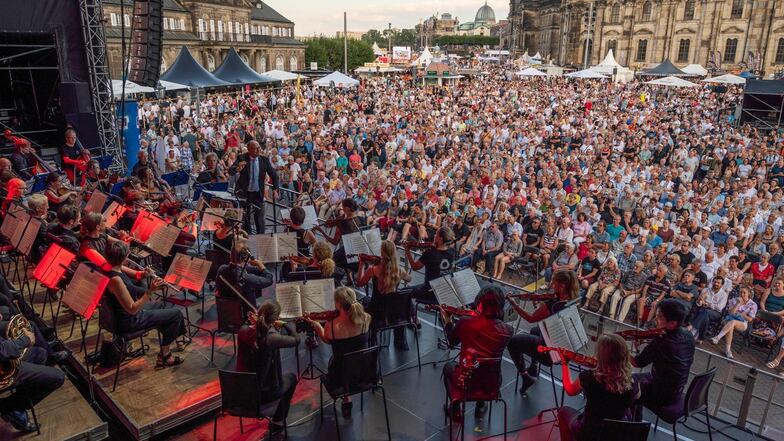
[362,373]
[618,430]
[230,320]
[393,311]
[695,401]
[108,322]
[241,396]
[484,384]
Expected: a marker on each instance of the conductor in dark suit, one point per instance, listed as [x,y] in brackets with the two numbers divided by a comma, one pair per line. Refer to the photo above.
[253,170]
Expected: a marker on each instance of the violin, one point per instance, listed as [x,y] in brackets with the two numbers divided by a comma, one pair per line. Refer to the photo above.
[375,260]
[416,244]
[536,297]
[322,316]
[567,356]
[460,312]
[641,334]
[302,260]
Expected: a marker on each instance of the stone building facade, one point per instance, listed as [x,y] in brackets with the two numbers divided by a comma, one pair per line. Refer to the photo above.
[726,34]
[263,37]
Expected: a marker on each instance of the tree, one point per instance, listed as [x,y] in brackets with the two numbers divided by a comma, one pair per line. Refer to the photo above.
[374,36]
[470,40]
[328,53]
[406,37]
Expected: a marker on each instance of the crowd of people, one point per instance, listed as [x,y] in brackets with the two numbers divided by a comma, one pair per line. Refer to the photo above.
[647,205]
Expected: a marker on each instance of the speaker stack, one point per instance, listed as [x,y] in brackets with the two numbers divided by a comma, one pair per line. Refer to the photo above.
[146,43]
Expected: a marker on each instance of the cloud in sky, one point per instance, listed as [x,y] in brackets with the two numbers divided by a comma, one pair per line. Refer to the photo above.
[326,17]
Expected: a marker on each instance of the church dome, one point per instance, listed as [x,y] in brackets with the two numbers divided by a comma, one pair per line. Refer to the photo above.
[485,14]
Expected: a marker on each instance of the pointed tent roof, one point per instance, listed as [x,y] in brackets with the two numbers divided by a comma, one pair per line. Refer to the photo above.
[185,70]
[340,80]
[664,69]
[424,58]
[234,70]
[672,81]
[609,60]
[695,69]
[376,49]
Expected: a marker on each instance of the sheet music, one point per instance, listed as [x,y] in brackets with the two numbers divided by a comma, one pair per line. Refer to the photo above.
[564,330]
[210,217]
[445,292]
[10,225]
[188,272]
[311,217]
[317,295]
[288,296]
[264,247]
[287,244]
[362,242]
[466,285]
[28,236]
[85,290]
[96,202]
[162,240]
[113,213]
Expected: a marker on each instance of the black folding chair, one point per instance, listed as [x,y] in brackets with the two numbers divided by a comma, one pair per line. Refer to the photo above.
[617,430]
[484,384]
[393,311]
[230,319]
[241,397]
[695,401]
[108,322]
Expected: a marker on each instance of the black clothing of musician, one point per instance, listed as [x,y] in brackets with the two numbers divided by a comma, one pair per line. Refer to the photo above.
[483,336]
[32,383]
[132,315]
[437,261]
[253,170]
[671,355]
[564,283]
[249,279]
[258,352]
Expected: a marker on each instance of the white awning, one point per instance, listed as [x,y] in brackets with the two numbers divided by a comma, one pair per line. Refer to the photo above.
[672,81]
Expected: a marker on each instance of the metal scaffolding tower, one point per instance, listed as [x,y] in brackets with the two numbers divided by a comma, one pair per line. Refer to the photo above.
[101,81]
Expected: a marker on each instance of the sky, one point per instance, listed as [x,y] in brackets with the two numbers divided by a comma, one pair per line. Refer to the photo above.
[326,16]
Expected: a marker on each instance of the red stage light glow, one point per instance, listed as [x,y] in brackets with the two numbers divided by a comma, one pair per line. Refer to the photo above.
[53,265]
[146,223]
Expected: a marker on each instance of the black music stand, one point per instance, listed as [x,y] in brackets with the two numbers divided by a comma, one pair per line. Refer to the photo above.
[193,284]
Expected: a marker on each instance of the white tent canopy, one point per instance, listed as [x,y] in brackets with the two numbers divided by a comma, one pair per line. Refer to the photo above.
[609,66]
[695,69]
[530,72]
[672,81]
[424,58]
[338,79]
[130,87]
[377,50]
[365,69]
[280,75]
[726,79]
[585,74]
[168,85]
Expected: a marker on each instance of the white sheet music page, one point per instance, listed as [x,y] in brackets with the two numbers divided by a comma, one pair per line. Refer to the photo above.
[287,244]
[570,317]
[85,290]
[288,296]
[318,295]
[445,292]
[96,202]
[162,240]
[466,285]
[264,247]
[555,335]
[113,213]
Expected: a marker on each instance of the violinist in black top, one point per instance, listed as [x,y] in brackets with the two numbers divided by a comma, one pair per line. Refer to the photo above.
[258,352]
[671,355]
[244,273]
[564,284]
[346,224]
[436,260]
[141,314]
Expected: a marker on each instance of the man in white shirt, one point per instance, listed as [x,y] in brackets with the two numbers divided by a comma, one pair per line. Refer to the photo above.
[707,308]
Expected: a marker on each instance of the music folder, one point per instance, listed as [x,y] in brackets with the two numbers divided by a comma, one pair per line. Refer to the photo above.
[298,298]
[96,202]
[85,290]
[458,289]
[311,218]
[188,272]
[272,247]
[564,329]
[113,213]
[53,265]
[362,242]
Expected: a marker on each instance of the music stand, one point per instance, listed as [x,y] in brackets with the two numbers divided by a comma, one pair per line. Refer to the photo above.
[39,183]
[83,294]
[50,271]
[188,273]
[116,188]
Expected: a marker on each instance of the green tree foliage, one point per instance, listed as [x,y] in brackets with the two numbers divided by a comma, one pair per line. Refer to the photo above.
[471,40]
[328,53]
[400,37]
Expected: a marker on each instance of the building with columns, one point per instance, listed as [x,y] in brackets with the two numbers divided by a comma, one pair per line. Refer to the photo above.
[263,37]
[726,34]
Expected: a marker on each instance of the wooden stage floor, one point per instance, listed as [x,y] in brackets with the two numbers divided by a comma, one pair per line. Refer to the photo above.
[65,416]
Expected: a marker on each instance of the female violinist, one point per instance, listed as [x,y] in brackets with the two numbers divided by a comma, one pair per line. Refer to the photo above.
[348,223]
[386,275]
[258,351]
[150,186]
[609,389]
[57,193]
[346,333]
[564,284]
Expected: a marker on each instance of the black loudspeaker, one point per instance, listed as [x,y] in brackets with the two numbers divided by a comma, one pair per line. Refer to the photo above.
[146,43]
[75,97]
